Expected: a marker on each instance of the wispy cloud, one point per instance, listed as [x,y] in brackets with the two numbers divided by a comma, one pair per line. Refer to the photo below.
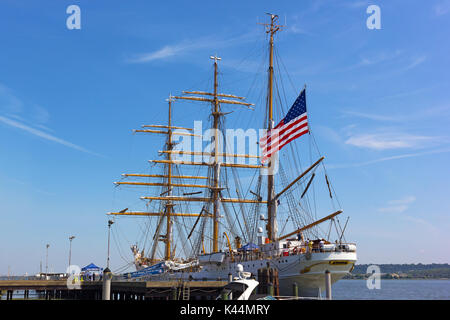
[406,117]
[415,62]
[394,140]
[424,224]
[29,117]
[378,58]
[442,8]
[44,135]
[353,4]
[163,53]
[396,157]
[28,185]
[371,116]
[187,46]
[298,30]
[397,61]
[398,206]
[9,103]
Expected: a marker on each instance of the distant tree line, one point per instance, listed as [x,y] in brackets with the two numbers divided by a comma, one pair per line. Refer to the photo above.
[404,271]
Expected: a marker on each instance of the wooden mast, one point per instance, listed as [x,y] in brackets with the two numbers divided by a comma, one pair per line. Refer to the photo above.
[169,204]
[216,99]
[271,226]
[216,190]
[215,187]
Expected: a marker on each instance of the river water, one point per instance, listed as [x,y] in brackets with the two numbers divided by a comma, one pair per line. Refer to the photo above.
[358,290]
[392,290]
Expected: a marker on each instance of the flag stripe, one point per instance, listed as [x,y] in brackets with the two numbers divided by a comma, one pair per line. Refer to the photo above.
[277,139]
[284,131]
[278,147]
[292,126]
[284,128]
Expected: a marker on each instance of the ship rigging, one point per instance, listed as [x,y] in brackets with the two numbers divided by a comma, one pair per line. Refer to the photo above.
[212,198]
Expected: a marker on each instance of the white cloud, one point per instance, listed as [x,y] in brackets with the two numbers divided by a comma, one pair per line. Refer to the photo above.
[401,156]
[296,29]
[28,117]
[383,141]
[379,58]
[187,46]
[8,102]
[354,4]
[427,227]
[398,206]
[416,61]
[394,209]
[44,135]
[405,200]
[371,116]
[442,8]
[165,52]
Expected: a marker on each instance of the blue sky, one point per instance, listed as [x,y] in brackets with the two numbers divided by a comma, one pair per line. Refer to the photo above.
[378,104]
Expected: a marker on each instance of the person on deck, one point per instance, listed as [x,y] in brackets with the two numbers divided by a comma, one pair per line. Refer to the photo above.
[321,244]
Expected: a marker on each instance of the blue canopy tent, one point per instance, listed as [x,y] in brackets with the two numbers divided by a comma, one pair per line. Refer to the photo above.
[248,247]
[91,268]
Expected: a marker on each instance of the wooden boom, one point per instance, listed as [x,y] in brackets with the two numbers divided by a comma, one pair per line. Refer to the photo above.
[311,225]
[209,154]
[134,183]
[299,177]
[166,132]
[212,94]
[166,127]
[198,199]
[161,176]
[235,165]
[153,214]
[218,100]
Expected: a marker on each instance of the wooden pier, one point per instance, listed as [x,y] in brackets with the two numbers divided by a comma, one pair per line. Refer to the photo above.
[120,290]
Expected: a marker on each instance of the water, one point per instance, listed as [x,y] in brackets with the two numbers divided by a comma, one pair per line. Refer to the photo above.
[392,290]
[357,290]
[18,295]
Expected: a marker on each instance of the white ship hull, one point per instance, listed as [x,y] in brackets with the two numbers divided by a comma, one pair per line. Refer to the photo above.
[309,274]
[307,270]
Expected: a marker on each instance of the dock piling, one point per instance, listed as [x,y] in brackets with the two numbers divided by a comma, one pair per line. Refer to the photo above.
[295,289]
[328,284]
[106,292]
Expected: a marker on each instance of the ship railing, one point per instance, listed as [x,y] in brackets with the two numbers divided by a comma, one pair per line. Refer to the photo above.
[298,250]
[330,247]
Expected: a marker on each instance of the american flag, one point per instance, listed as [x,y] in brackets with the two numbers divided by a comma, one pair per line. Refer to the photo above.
[294,125]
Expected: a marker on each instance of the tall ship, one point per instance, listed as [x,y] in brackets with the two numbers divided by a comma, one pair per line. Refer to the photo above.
[246,198]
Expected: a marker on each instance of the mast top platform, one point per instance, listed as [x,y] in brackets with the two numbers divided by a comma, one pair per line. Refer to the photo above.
[272,27]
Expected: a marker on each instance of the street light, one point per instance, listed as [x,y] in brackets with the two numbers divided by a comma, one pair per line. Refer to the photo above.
[46,259]
[70,249]
[110,222]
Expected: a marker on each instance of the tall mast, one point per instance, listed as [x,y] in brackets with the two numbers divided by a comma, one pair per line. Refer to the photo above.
[172,181]
[216,189]
[271,226]
[169,204]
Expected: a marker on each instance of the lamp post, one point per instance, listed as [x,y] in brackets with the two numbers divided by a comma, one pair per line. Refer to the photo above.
[46,259]
[110,222]
[70,249]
